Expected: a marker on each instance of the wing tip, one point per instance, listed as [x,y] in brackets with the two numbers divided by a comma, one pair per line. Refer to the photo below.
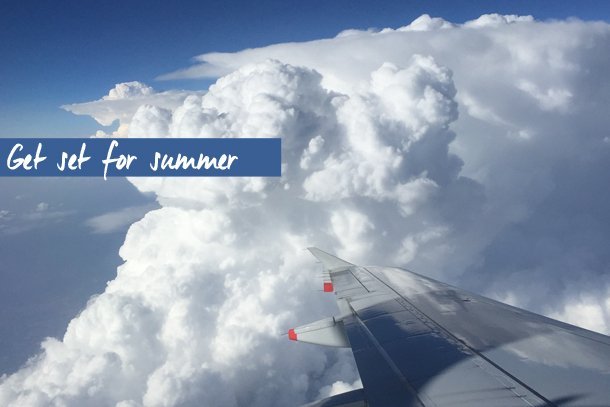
[329,261]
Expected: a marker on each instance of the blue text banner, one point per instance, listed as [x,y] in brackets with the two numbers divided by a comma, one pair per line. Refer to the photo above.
[140,157]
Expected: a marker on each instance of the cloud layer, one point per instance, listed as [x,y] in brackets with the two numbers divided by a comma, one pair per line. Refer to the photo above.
[475,153]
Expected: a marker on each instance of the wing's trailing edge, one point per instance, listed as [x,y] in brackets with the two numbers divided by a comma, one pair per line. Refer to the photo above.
[354,398]
[420,342]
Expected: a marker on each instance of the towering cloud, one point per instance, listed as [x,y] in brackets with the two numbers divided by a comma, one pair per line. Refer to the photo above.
[476,153]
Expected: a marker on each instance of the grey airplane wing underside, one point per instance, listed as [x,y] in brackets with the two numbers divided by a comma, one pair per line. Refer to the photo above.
[419,342]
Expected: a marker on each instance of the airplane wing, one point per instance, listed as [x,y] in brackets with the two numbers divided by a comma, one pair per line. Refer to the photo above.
[420,342]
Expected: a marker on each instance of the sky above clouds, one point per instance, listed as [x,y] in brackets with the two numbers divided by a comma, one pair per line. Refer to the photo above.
[54,55]
[474,150]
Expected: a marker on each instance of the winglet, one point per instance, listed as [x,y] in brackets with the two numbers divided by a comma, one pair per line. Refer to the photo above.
[327,332]
[328,260]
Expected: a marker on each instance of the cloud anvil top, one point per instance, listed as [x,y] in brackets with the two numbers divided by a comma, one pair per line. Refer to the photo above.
[141,157]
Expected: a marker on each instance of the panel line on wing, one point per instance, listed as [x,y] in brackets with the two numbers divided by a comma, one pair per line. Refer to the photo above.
[385,358]
[461,344]
[357,279]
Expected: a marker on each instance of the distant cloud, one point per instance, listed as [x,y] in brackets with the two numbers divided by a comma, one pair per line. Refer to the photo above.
[42,206]
[12,223]
[124,99]
[339,387]
[129,90]
[117,220]
[587,311]
[474,153]
[5,217]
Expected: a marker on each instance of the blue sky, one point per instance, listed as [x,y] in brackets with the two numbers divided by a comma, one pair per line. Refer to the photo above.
[58,54]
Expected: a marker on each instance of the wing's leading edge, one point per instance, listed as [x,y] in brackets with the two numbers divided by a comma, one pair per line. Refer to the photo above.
[420,342]
[329,261]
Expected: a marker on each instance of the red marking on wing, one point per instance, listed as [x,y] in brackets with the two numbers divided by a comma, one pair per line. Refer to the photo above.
[292,335]
[328,287]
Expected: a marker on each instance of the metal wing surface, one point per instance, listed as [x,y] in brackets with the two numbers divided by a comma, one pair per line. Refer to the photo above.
[420,342]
